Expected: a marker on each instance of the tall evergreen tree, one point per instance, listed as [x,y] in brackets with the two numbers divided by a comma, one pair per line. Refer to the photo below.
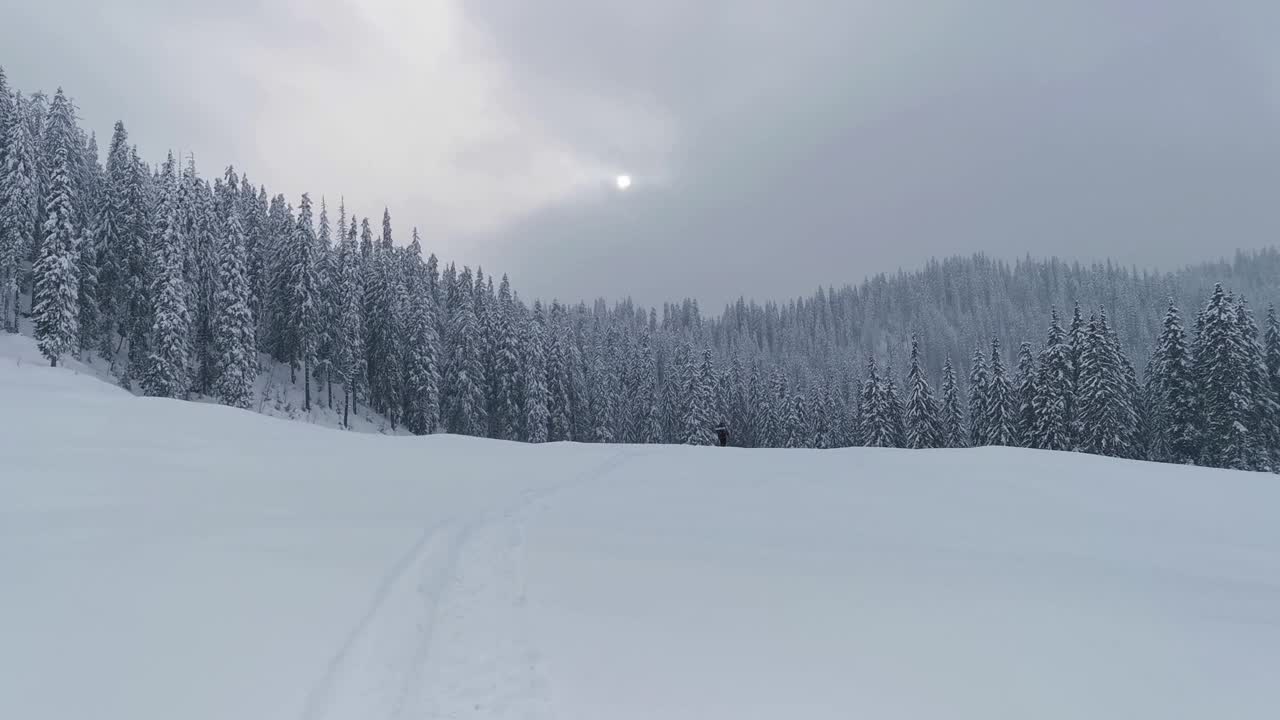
[351,349]
[18,190]
[1272,350]
[1102,406]
[536,398]
[923,423]
[505,368]
[979,380]
[1055,390]
[1025,422]
[235,349]
[167,367]
[1173,393]
[1218,372]
[698,426]
[56,305]
[464,401]
[953,435]
[999,405]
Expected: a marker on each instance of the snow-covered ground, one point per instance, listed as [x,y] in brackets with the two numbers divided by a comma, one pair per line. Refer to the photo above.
[162,560]
[276,391]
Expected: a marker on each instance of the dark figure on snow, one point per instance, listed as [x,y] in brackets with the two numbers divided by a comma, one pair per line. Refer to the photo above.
[722,435]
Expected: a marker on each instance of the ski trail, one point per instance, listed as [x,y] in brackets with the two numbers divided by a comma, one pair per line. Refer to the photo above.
[445,635]
[482,661]
[375,662]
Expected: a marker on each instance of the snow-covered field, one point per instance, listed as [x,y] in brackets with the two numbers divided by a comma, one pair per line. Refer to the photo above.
[162,560]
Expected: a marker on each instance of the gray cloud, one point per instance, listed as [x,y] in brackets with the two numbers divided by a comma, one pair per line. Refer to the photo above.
[824,140]
[775,145]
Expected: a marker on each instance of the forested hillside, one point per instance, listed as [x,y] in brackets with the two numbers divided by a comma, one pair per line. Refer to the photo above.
[179,281]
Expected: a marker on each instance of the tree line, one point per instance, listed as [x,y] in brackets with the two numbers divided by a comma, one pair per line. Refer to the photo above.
[186,285]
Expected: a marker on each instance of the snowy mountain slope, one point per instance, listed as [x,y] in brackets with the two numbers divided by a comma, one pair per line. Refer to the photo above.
[275,393]
[180,560]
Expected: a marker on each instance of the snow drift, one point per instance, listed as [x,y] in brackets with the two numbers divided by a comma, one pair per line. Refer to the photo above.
[169,560]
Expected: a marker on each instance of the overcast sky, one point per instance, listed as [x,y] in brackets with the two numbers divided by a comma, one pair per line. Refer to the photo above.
[775,144]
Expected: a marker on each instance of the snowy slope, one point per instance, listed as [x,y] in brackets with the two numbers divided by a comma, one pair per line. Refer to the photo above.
[275,392]
[165,560]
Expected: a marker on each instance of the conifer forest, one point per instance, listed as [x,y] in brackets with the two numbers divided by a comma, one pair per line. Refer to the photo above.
[187,284]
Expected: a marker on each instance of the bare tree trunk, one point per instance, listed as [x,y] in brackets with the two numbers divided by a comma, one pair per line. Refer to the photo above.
[346,409]
[306,376]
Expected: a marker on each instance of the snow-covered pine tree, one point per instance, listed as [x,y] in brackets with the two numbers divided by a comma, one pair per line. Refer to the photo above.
[535,398]
[559,411]
[141,269]
[18,195]
[302,296]
[464,401]
[1102,405]
[1000,407]
[1218,374]
[953,434]
[422,375]
[111,243]
[350,360]
[1272,349]
[1054,390]
[506,420]
[1024,426]
[87,190]
[778,411]
[979,381]
[1262,405]
[648,404]
[892,404]
[796,419]
[326,302]
[601,403]
[1075,351]
[870,412]
[56,287]
[166,374]
[234,348]
[922,420]
[698,427]
[195,204]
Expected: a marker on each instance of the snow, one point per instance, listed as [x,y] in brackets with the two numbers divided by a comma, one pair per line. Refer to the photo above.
[165,560]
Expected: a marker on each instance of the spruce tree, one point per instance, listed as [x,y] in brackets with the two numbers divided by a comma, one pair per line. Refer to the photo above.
[302,297]
[1219,374]
[18,190]
[56,290]
[698,426]
[1272,351]
[505,370]
[464,401]
[1000,401]
[350,360]
[979,380]
[422,394]
[923,423]
[235,351]
[1173,393]
[953,435]
[1102,407]
[166,374]
[536,398]
[111,243]
[1025,422]
[1054,390]
[1262,404]
[892,408]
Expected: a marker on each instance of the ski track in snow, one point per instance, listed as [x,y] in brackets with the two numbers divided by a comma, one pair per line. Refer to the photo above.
[445,635]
